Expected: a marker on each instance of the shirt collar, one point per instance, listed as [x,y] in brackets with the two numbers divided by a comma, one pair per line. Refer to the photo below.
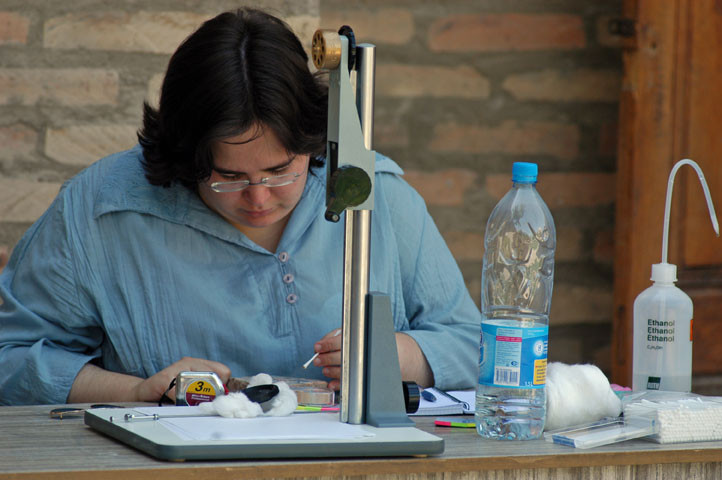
[125,189]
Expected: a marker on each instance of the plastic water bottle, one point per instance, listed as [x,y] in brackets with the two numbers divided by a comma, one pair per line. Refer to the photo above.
[516,294]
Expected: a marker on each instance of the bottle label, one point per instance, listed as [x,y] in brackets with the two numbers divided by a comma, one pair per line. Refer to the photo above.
[653,383]
[513,356]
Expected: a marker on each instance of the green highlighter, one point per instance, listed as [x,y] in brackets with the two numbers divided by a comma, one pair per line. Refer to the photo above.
[461,422]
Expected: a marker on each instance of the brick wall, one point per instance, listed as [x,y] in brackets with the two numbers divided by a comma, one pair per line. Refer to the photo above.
[463,90]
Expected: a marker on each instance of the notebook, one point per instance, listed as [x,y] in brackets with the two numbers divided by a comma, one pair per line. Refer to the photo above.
[464,403]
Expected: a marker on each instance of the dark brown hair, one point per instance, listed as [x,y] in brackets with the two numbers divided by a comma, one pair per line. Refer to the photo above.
[239,70]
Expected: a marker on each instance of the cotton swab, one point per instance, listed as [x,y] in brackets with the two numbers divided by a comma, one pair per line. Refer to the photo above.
[305,365]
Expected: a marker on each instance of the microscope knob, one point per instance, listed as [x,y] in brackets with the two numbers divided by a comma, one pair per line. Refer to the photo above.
[347,32]
[349,186]
[412,396]
[326,49]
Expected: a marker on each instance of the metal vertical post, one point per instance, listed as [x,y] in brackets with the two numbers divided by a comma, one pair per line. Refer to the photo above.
[357,245]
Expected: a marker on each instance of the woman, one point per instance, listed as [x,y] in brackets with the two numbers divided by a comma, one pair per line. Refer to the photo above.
[204,248]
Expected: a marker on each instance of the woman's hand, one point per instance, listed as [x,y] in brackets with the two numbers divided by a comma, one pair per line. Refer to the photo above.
[414,366]
[94,384]
[412,361]
[329,357]
[151,389]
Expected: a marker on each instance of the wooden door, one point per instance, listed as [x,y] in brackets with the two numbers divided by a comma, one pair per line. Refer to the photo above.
[671,108]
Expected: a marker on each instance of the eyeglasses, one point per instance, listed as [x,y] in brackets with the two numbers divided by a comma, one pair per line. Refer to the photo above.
[238,185]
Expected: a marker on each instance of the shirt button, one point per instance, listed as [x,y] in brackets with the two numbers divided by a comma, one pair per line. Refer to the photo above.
[291,298]
[283,257]
[288,278]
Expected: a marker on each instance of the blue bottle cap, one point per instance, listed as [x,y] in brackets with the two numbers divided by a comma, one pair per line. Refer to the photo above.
[524,172]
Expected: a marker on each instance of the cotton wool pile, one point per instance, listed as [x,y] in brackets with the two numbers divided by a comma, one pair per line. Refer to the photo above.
[578,394]
[237,405]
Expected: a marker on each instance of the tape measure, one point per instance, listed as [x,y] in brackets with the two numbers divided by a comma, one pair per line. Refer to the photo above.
[192,388]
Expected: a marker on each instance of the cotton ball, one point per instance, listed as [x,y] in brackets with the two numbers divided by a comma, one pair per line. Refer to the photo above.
[578,394]
[284,403]
[260,379]
[237,404]
[233,405]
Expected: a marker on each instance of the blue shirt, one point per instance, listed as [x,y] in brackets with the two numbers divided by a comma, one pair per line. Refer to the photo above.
[135,277]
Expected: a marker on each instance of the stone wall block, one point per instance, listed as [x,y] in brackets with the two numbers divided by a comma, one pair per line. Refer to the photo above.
[74,87]
[304,26]
[140,31]
[14,28]
[23,200]
[582,85]
[84,144]
[442,188]
[17,140]
[465,246]
[570,245]
[393,26]
[574,304]
[604,247]
[506,32]
[391,134]
[401,80]
[511,137]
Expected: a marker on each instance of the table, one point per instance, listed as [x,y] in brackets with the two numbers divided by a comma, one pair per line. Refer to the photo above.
[33,445]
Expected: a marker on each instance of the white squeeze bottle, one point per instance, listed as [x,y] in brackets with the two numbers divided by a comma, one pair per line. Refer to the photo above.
[662,358]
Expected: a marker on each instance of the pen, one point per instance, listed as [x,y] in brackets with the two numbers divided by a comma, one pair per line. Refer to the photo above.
[455,422]
[129,417]
[453,398]
[305,365]
[310,408]
[428,396]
